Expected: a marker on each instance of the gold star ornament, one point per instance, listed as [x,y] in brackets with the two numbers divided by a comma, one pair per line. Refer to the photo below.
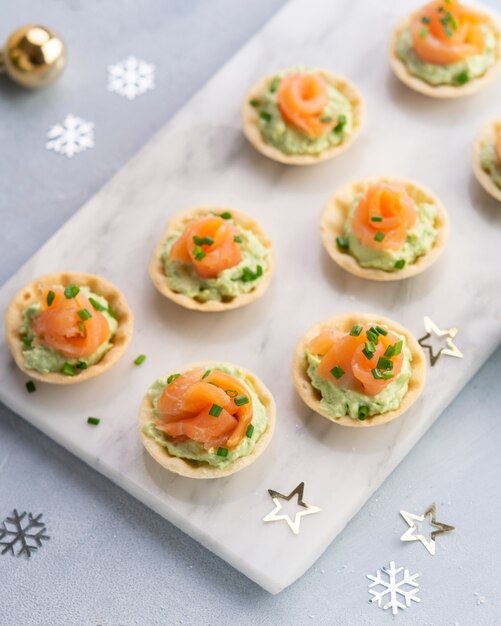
[306,509]
[414,532]
[450,349]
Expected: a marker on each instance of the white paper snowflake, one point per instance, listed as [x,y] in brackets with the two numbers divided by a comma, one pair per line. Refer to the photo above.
[131,77]
[22,536]
[404,589]
[71,136]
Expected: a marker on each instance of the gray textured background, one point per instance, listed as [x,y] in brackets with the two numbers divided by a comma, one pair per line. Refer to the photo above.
[112,561]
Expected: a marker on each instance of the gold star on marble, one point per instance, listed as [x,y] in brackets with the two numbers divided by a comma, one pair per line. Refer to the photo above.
[413,533]
[294,524]
[449,334]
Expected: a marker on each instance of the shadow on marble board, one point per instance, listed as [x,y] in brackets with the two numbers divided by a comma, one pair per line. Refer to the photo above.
[487,207]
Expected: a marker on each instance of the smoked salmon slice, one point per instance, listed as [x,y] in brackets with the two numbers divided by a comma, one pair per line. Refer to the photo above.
[301,100]
[445,32]
[70,325]
[211,407]
[383,217]
[208,244]
[366,359]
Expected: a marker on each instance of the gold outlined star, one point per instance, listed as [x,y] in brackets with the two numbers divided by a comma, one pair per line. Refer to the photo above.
[451,349]
[294,525]
[411,534]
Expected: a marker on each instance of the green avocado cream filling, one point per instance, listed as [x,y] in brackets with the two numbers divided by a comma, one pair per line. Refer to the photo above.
[490,162]
[419,241]
[235,281]
[194,451]
[45,359]
[455,74]
[338,402]
[287,138]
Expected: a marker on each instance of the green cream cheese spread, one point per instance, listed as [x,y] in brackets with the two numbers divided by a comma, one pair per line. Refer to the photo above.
[456,74]
[338,402]
[45,359]
[288,139]
[419,241]
[490,162]
[194,451]
[230,283]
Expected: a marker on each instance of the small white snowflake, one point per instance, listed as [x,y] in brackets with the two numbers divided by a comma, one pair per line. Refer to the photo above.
[394,588]
[131,77]
[71,136]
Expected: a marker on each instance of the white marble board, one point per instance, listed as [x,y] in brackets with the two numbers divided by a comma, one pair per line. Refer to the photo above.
[200,156]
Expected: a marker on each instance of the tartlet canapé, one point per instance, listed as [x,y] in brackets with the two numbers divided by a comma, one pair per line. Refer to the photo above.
[487,157]
[68,327]
[384,228]
[447,49]
[359,369]
[212,258]
[302,116]
[207,420]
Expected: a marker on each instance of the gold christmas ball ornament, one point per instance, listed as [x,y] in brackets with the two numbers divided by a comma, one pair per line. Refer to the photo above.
[34,56]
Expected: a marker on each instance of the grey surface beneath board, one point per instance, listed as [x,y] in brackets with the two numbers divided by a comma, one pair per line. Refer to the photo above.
[112,561]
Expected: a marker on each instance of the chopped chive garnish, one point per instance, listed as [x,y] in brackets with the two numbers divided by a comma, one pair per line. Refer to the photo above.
[254,102]
[215,410]
[172,377]
[387,375]
[389,352]
[376,218]
[97,305]
[397,348]
[249,431]
[363,412]
[399,264]
[372,335]
[379,236]
[241,400]
[50,298]
[30,386]
[423,32]
[384,364]
[381,331]
[341,123]
[369,350]
[81,328]
[248,275]
[233,393]
[425,19]
[68,369]
[111,312]
[326,119]
[337,372]
[462,78]
[27,341]
[206,373]
[140,359]
[377,373]
[264,115]
[342,243]
[81,365]
[237,239]
[226,215]
[222,451]
[93,420]
[274,84]
[71,291]
[356,330]
[203,241]
[84,314]
[198,253]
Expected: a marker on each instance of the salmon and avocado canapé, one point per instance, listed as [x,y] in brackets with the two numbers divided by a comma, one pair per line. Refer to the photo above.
[61,329]
[212,259]
[384,229]
[302,115]
[487,157]
[208,420]
[353,369]
[448,44]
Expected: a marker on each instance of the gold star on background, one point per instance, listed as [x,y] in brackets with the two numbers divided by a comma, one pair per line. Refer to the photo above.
[411,534]
[294,525]
[449,333]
